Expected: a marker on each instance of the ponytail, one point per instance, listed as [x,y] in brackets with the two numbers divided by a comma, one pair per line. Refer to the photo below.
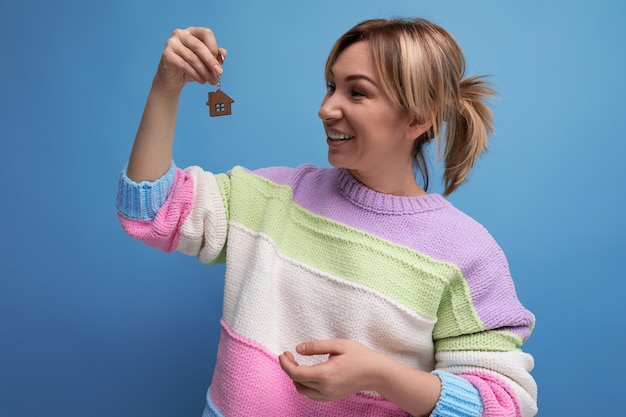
[468,126]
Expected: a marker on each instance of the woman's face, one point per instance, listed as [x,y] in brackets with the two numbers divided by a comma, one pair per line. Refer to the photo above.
[365,132]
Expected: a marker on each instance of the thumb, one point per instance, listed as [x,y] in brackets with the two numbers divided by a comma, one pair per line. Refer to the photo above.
[321,347]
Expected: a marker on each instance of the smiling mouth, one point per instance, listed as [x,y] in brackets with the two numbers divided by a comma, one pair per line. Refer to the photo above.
[338,136]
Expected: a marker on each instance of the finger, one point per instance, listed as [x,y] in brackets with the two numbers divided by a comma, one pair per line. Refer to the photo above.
[291,358]
[223,52]
[288,363]
[195,53]
[177,55]
[189,71]
[322,347]
[205,44]
[302,374]
[306,375]
[308,392]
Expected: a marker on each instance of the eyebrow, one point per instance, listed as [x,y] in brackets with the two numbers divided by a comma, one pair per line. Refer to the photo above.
[353,77]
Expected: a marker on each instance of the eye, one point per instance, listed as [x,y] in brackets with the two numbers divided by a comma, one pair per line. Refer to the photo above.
[330,88]
[357,94]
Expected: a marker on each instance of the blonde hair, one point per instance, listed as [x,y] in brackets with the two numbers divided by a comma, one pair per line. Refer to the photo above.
[422,70]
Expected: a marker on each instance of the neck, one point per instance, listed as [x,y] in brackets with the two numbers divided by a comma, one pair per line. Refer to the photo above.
[402,185]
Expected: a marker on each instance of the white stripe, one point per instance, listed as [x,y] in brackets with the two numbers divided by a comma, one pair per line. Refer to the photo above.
[279,302]
[203,234]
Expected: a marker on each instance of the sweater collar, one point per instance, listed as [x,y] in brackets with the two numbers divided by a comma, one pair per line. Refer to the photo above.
[374,201]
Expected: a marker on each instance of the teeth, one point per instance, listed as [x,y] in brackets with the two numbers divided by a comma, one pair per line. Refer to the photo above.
[338,136]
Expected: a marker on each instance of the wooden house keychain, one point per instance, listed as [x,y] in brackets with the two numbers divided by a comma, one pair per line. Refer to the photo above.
[219,102]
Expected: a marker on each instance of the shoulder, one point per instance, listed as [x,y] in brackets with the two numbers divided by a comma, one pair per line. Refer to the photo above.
[306,178]
[456,237]
[283,175]
[303,181]
[462,224]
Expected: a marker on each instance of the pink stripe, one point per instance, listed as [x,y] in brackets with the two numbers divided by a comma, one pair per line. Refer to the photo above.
[499,400]
[248,381]
[164,231]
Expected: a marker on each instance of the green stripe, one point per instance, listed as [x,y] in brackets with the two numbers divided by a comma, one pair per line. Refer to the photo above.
[456,314]
[499,341]
[409,277]
[223,182]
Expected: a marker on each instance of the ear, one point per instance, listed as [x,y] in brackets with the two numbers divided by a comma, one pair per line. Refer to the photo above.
[417,126]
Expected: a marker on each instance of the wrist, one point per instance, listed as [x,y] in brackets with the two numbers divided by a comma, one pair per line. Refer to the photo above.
[415,391]
[165,89]
[382,376]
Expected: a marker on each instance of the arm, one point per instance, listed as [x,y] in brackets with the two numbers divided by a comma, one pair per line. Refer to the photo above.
[353,367]
[157,203]
[189,55]
[480,331]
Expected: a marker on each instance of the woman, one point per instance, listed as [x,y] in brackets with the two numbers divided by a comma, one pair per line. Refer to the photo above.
[408,301]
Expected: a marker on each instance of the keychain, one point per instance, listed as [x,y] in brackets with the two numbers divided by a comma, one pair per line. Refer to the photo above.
[219,102]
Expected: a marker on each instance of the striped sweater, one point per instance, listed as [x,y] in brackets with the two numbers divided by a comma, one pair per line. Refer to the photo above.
[313,254]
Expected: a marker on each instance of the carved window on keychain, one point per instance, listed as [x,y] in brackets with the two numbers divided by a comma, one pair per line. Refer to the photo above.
[219,102]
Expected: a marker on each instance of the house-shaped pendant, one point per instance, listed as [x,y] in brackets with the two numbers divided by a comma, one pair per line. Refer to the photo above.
[219,103]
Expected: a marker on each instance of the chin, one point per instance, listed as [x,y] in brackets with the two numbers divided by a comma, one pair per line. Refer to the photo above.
[337,162]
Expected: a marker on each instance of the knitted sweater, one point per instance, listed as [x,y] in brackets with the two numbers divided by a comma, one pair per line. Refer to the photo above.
[313,254]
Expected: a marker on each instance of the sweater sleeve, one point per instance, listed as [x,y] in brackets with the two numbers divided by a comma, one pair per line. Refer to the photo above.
[478,337]
[184,210]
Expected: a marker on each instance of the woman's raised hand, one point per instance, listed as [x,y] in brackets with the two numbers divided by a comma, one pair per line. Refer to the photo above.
[190,55]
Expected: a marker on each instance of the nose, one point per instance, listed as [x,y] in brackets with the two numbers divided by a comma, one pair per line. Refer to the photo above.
[330,108]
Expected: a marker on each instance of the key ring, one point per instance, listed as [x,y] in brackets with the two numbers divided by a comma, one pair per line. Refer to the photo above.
[220,59]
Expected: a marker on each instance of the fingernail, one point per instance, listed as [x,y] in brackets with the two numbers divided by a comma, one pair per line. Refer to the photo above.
[301,348]
[218,69]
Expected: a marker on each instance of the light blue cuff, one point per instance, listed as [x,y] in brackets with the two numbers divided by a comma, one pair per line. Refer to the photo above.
[211,409]
[142,201]
[459,398]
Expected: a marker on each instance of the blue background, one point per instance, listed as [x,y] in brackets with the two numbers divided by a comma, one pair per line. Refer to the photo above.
[95,324]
